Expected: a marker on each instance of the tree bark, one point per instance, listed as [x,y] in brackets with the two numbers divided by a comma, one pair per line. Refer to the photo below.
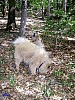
[65,4]
[53,4]
[48,8]
[3,6]
[11,14]
[23,17]
[42,13]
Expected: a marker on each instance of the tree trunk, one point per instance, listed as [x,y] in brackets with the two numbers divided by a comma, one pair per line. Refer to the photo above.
[23,17]
[11,14]
[3,6]
[42,13]
[65,4]
[53,4]
[49,8]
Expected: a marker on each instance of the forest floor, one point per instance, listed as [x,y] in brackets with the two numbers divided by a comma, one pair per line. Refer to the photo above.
[58,84]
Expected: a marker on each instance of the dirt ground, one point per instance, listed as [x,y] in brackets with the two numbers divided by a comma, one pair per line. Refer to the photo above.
[57,84]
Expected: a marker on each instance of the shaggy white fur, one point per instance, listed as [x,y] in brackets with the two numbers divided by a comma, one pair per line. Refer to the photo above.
[31,53]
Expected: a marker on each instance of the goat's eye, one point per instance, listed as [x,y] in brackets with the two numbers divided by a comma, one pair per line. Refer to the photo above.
[48,66]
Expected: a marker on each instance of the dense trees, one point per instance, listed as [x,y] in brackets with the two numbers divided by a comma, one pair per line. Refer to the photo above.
[42,5]
[58,34]
[53,9]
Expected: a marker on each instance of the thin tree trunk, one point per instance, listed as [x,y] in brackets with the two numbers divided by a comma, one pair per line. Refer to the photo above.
[53,4]
[3,6]
[42,13]
[65,4]
[49,8]
[23,18]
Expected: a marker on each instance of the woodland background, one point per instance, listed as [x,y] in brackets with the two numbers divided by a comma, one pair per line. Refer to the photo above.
[55,22]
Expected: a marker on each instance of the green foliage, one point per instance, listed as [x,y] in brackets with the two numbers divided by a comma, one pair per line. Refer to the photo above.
[47,90]
[65,26]
[39,3]
[72,12]
[70,28]
[11,2]
[18,5]
[58,12]
[12,80]
[58,73]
